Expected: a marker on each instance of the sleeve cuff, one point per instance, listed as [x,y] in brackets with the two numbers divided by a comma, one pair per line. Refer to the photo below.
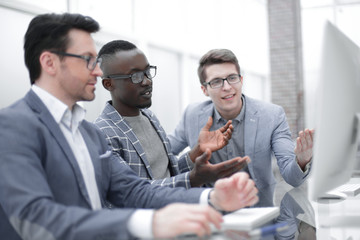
[307,167]
[140,223]
[205,196]
[188,160]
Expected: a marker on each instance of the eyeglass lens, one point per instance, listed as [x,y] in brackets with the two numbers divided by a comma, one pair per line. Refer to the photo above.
[92,61]
[139,76]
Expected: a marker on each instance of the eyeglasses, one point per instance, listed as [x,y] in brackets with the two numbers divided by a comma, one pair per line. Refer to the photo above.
[219,82]
[91,61]
[136,77]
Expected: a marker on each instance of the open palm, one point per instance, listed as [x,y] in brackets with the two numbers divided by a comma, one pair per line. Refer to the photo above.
[214,140]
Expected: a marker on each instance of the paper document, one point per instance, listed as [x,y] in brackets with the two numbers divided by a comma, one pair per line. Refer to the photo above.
[247,219]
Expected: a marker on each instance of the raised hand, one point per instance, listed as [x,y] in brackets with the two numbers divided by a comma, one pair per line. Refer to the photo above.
[206,172]
[304,147]
[180,218]
[233,193]
[214,140]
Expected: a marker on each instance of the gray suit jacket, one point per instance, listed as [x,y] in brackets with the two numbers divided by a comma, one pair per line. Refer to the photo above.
[266,133]
[42,191]
[127,147]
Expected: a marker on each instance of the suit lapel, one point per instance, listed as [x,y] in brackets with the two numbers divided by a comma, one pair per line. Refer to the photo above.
[250,130]
[119,121]
[47,119]
[203,117]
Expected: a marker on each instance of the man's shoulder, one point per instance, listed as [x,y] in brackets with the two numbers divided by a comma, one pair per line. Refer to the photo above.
[260,105]
[19,111]
[198,107]
[107,117]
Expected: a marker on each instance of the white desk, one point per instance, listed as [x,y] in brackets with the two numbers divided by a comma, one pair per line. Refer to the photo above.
[305,218]
[338,219]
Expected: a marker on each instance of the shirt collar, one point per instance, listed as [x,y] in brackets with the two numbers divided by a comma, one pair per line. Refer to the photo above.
[238,118]
[60,110]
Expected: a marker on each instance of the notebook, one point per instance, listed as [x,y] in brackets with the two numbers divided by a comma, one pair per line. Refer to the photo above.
[247,219]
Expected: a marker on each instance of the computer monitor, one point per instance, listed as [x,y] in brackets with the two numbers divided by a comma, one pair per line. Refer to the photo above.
[337,113]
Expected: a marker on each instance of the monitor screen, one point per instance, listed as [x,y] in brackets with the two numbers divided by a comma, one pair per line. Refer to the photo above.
[337,106]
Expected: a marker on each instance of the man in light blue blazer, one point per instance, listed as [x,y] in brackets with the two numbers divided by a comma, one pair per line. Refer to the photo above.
[260,129]
[57,171]
[134,132]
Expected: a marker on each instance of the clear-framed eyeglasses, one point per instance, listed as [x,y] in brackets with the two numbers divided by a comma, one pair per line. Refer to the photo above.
[136,77]
[91,60]
[219,82]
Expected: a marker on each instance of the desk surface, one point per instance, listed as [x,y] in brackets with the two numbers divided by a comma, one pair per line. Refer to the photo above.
[304,218]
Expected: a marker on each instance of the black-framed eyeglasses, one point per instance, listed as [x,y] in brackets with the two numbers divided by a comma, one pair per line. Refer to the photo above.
[91,60]
[219,82]
[136,77]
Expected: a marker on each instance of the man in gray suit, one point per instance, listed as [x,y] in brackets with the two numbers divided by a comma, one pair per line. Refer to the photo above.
[135,134]
[57,171]
[260,129]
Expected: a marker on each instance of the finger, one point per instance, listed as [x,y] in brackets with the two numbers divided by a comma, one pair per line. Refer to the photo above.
[304,144]
[247,159]
[233,168]
[208,124]
[225,127]
[203,158]
[312,132]
[228,134]
[298,147]
[204,215]
[216,218]
[308,137]
[249,192]
[252,201]
[241,179]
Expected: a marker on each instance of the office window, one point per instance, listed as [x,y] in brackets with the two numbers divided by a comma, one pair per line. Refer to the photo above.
[113,16]
[166,98]
[37,6]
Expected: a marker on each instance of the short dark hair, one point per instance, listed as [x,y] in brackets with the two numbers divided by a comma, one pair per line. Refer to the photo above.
[216,56]
[108,51]
[50,32]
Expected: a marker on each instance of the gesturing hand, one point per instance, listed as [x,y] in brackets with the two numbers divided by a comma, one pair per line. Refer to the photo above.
[205,172]
[304,147]
[180,218]
[214,140]
[235,192]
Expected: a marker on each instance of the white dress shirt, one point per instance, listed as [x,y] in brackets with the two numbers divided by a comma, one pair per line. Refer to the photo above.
[68,122]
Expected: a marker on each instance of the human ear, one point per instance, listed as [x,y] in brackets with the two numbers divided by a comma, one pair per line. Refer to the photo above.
[107,84]
[48,62]
[204,89]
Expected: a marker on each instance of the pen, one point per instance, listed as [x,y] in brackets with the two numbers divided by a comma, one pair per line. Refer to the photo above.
[270,229]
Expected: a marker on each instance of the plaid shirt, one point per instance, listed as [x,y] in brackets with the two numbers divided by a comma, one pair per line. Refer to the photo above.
[127,148]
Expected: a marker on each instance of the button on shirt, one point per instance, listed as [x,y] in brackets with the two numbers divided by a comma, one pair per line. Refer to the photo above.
[68,122]
[235,146]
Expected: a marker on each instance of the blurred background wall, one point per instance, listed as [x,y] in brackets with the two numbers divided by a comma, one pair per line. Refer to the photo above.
[277,42]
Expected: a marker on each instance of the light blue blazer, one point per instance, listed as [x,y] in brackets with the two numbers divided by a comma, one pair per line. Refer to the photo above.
[42,191]
[266,133]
